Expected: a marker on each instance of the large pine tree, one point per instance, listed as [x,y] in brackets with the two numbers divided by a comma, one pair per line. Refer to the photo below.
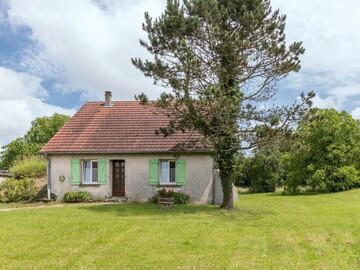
[220,58]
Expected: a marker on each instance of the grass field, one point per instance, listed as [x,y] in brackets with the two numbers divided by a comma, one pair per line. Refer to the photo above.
[265,231]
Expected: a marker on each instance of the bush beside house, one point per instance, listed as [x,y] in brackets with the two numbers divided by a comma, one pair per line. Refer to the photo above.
[27,180]
[76,197]
[18,190]
[181,198]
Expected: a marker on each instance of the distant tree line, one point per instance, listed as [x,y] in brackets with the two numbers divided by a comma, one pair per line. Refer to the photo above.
[322,154]
[41,131]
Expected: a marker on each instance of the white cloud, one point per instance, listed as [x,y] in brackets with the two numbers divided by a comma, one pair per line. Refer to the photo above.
[37,62]
[14,84]
[92,41]
[348,89]
[329,31]
[328,102]
[21,102]
[356,113]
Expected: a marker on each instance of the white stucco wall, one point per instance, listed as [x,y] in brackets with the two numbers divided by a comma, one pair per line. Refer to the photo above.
[200,183]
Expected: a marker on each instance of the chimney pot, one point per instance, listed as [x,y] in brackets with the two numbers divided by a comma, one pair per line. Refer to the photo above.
[108,102]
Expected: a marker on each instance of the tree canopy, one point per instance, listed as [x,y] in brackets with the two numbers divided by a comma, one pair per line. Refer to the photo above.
[41,131]
[330,156]
[221,58]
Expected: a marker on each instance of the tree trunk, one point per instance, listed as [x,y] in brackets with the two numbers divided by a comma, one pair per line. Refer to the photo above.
[227,187]
[225,163]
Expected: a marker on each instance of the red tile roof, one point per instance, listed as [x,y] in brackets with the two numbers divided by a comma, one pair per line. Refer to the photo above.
[126,127]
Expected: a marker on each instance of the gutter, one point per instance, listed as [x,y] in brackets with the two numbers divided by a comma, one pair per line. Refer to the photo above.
[48,172]
[126,152]
[214,182]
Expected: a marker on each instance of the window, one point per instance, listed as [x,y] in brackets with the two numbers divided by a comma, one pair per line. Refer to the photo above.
[167,172]
[90,172]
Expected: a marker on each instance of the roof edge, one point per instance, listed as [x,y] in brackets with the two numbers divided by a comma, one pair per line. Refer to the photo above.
[131,152]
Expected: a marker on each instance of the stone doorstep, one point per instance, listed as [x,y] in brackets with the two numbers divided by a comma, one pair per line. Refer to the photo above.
[116,199]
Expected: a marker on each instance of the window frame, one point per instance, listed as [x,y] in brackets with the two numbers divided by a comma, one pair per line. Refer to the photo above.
[91,172]
[161,183]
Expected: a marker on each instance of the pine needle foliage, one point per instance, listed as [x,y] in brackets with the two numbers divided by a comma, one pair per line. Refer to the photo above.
[220,58]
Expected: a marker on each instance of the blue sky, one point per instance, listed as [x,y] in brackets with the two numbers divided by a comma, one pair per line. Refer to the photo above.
[56,55]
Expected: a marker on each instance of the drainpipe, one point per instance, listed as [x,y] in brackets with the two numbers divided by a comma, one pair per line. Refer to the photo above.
[48,176]
[214,182]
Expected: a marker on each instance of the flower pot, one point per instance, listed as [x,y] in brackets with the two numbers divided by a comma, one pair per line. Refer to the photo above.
[166,199]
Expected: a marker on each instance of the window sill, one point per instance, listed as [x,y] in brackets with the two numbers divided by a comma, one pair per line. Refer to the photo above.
[167,185]
[89,185]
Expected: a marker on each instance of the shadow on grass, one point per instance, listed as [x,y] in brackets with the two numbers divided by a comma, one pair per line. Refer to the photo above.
[149,209]
[302,193]
[282,193]
[188,210]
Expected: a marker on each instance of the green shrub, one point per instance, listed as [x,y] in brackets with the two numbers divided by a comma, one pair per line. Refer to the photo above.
[284,168]
[154,199]
[76,196]
[261,172]
[34,166]
[339,179]
[53,196]
[239,177]
[181,198]
[18,190]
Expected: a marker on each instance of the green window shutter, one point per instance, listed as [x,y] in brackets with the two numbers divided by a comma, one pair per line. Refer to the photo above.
[75,172]
[153,172]
[180,171]
[102,171]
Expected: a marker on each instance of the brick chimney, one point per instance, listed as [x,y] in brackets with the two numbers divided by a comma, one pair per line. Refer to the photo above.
[108,96]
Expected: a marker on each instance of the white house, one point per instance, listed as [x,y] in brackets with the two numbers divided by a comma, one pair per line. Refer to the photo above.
[110,149]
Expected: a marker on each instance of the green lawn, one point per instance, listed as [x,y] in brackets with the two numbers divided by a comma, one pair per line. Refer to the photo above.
[265,231]
[23,205]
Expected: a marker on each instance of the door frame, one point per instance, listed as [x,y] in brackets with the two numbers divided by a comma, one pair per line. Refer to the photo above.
[113,172]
